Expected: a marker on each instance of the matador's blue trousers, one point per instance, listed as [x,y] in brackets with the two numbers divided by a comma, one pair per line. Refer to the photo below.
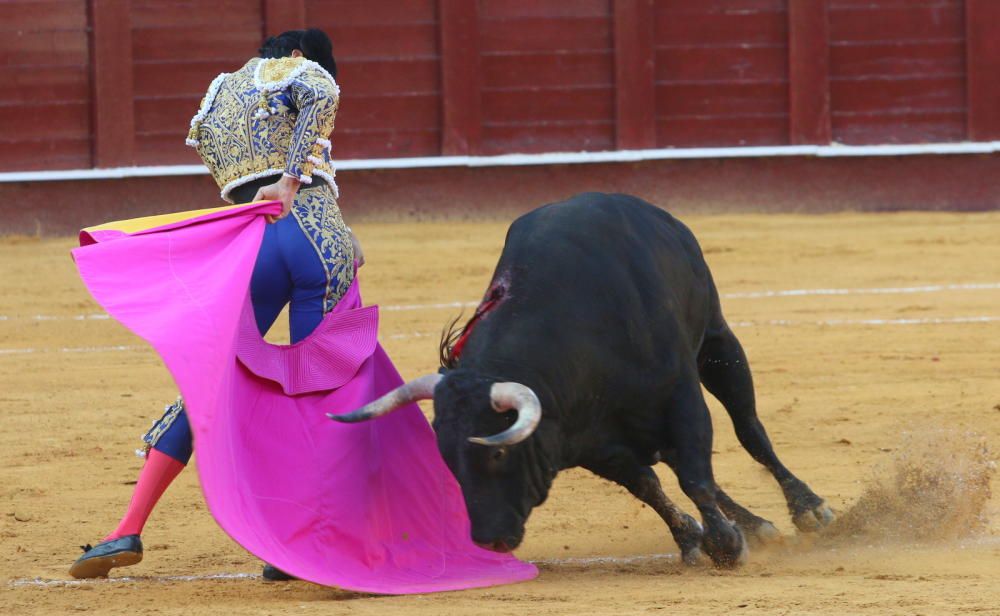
[306,260]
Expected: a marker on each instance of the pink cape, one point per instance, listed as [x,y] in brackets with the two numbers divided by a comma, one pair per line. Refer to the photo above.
[368,507]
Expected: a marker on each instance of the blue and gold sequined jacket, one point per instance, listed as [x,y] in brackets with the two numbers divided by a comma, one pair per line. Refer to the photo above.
[273,116]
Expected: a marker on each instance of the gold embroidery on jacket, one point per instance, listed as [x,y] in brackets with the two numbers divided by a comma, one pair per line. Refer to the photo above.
[270,117]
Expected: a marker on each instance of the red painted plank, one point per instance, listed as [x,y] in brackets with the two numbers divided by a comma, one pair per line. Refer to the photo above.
[910,127]
[41,15]
[394,41]
[721,6]
[911,23]
[808,73]
[722,132]
[932,58]
[500,9]
[28,49]
[239,14]
[865,95]
[461,95]
[389,76]
[56,84]
[723,29]
[551,105]
[548,138]
[41,120]
[182,78]
[983,58]
[111,65]
[164,150]
[720,100]
[635,96]
[877,5]
[531,35]
[388,143]
[40,154]
[354,12]
[585,68]
[416,112]
[283,15]
[167,115]
[196,43]
[721,64]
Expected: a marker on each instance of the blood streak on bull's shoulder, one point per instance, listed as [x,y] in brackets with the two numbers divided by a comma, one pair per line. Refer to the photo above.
[495,296]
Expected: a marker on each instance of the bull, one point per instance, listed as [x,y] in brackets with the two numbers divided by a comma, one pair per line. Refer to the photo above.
[599,327]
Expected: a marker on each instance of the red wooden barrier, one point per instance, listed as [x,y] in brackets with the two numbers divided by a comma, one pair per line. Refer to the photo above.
[461,94]
[982,19]
[432,77]
[111,64]
[808,73]
[635,72]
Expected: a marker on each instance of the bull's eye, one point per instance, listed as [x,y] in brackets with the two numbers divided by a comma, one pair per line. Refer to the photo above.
[499,453]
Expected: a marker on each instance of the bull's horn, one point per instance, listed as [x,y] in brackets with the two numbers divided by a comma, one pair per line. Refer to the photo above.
[513,396]
[418,389]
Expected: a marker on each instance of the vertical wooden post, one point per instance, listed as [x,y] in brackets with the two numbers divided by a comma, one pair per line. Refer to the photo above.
[461,96]
[982,48]
[808,72]
[111,93]
[635,75]
[283,15]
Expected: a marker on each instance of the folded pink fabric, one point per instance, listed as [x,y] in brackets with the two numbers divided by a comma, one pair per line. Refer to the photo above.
[368,507]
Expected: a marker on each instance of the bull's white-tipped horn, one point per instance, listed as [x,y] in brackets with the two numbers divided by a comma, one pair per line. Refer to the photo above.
[421,388]
[513,396]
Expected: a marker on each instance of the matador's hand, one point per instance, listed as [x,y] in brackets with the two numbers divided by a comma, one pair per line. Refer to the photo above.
[359,255]
[283,190]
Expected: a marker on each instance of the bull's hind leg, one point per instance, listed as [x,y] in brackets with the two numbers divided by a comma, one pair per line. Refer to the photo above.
[620,465]
[690,441]
[726,374]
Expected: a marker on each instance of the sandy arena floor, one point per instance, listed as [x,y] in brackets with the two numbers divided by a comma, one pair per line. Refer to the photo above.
[897,371]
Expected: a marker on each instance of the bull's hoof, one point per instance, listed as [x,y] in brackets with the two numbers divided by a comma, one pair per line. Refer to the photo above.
[814,519]
[726,547]
[689,538]
[763,534]
[694,557]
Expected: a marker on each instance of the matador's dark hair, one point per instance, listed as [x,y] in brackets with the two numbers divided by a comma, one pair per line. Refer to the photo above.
[314,44]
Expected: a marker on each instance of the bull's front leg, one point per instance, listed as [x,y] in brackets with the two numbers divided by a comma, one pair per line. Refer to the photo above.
[690,436]
[620,465]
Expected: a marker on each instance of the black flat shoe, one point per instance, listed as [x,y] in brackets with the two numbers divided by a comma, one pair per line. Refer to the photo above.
[98,560]
[273,574]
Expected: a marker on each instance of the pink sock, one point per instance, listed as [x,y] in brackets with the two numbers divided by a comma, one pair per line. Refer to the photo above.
[156,474]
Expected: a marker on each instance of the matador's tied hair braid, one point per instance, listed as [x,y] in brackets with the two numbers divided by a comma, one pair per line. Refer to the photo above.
[314,44]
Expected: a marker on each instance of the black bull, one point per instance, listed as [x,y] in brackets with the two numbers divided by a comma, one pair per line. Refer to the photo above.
[599,327]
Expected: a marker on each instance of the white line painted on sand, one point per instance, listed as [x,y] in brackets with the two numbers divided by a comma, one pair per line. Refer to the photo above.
[408,336]
[933,288]
[49,583]
[583,561]
[429,306]
[89,349]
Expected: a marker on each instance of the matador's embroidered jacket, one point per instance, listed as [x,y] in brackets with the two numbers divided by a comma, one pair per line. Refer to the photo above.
[273,116]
